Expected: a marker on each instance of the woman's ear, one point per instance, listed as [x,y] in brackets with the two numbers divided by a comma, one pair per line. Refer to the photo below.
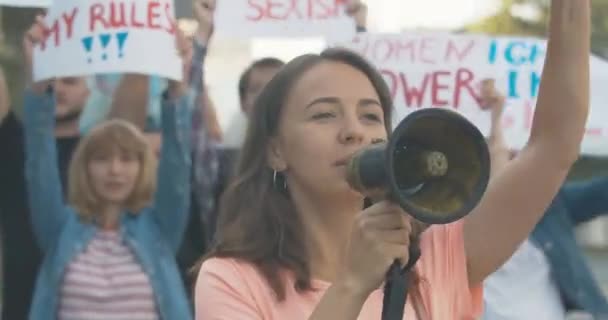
[274,154]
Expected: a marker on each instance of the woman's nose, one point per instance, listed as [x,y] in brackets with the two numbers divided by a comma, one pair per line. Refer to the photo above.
[352,130]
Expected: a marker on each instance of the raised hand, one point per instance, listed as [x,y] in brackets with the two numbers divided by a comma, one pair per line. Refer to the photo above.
[203,12]
[32,38]
[358,11]
[184,50]
[491,99]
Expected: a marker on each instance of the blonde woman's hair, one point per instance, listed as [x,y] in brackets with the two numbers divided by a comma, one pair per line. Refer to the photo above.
[110,137]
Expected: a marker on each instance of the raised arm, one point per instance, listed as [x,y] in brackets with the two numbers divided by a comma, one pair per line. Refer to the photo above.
[45,199]
[586,200]
[499,151]
[5,99]
[517,198]
[47,209]
[172,202]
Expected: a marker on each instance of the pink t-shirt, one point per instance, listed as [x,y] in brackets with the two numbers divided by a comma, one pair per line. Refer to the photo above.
[232,289]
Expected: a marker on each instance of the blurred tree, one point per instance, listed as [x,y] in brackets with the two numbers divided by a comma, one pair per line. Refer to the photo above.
[507,21]
[14,22]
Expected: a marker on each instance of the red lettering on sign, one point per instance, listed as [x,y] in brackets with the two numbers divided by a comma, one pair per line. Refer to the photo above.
[259,10]
[62,28]
[414,95]
[97,16]
[153,15]
[391,81]
[172,26]
[593,131]
[139,14]
[452,49]
[134,22]
[68,19]
[293,9]
[464,81]
[118,17]
[53,31]
[437,87]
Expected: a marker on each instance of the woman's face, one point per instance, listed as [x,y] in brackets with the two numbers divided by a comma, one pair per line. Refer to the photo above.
[114,175]
[332,112]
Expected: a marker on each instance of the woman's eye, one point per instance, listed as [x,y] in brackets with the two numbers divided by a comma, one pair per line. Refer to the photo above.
[127,157]
[373,117]
[322,115]
[100,157]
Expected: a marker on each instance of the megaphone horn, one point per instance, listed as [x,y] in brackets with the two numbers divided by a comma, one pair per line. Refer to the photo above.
[435,165]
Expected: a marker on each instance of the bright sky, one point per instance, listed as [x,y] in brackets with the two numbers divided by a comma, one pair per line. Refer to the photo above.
[395,15]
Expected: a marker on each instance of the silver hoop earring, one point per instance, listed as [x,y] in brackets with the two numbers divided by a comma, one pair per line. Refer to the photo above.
[275,176]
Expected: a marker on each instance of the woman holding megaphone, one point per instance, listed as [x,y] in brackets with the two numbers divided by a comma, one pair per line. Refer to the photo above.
[294,241]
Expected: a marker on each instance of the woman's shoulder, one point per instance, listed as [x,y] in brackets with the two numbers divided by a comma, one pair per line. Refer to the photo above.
[230,268]
[215,263]
[228,285]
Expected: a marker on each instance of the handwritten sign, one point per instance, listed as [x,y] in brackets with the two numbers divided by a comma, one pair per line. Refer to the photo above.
[105,36]
[521,62]
[26,3]
[283,18]
[445,70]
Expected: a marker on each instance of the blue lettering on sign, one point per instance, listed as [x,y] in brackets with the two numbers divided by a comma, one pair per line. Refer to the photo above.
[493,51]
[534,84]
[518,53]
[121,37]
[510,53]
[104,41]
[87,42]
[532,80]
[513,75]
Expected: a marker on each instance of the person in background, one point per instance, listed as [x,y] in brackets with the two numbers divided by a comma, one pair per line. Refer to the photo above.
[5,97]
[293,239]
[110,253]
[548,276]
[133,90]
[21,256]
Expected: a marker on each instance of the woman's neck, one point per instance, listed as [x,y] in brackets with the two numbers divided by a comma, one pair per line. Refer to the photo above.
[109,218]
[327,223]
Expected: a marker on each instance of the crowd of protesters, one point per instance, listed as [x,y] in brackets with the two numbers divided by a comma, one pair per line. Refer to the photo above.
[131,219]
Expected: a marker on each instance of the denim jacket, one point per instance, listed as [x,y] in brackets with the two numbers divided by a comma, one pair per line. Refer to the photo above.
[574,204]
[153,235]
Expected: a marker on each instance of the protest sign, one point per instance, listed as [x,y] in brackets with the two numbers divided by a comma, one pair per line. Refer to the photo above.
[106,36]
[445,70]
[283,18]
[26,3]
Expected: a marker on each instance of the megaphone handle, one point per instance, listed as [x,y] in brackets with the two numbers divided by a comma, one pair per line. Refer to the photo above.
[397,280]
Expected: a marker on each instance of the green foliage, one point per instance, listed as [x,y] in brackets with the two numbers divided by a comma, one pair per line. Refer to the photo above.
[504,22]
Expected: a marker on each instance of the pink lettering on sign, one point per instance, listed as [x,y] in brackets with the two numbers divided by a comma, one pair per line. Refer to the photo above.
[139,15]
[415,50]
[440,88]
[62,28]
[273,10]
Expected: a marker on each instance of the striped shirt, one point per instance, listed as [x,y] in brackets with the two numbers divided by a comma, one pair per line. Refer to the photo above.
[106,281]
